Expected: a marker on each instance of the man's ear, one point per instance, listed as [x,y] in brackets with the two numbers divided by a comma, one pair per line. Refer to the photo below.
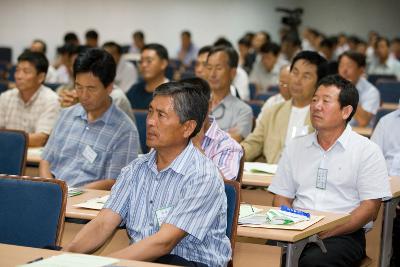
[189,127]
[109,88]
[346,111]
[42,77]
[233,73]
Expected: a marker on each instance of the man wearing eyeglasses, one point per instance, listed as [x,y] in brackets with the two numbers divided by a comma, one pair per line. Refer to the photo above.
[92,140]
[232,114]
[283,122]
[284,94]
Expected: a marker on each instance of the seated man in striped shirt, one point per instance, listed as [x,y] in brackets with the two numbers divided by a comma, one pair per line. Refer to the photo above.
[92,140]
[216,144]
[171,200]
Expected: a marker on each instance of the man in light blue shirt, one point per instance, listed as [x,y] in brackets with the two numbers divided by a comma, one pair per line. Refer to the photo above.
[387,136]
[92,140]
[171,200]
[352,68]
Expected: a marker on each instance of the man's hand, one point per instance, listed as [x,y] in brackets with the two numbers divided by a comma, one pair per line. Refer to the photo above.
[68,98]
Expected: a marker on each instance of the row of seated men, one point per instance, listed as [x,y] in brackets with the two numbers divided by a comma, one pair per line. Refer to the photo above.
[93,143]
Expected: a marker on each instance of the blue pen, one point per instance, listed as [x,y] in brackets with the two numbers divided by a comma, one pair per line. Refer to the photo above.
[299,212]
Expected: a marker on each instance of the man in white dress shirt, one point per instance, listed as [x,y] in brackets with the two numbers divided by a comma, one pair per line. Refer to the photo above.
[333,169]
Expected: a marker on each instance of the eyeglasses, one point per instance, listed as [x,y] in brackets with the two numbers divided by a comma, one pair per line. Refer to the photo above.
[219,112]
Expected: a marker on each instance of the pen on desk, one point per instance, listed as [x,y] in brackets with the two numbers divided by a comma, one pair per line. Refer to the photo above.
[35,260]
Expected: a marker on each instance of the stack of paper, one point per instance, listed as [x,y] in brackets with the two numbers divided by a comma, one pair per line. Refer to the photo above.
[247,210]
[72,260]
[260,167]
[94,203]
[259,219]
[73,191]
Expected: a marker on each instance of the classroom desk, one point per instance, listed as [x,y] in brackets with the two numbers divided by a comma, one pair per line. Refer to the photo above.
[11,255]
[258,195]
[388,216]
[390,106]
[365,131]
[295,241]
[245,254]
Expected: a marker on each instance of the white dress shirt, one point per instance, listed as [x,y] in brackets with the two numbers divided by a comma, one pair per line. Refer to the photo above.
[387,136]
[356,171]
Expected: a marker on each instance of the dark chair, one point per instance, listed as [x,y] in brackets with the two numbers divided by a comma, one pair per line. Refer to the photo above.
[11,73]
[14,145]
[140,116]
[253,91]
[53,86]
[3,86]
[381,112]
[241,167]
[273,89]
[264,96]
[32,211]
[125,48]
[232,191]
[256,106]
[5,54]
[389,90]
[373,78]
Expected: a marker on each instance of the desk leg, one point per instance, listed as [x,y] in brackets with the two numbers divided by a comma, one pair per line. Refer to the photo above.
[387,231]
[294,250]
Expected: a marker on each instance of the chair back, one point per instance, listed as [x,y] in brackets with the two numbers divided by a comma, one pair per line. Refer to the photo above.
[252,90]
[241,167]
[256,106]
[389,90]
[232,191]
[32,211]
[373,78]
[14,145]
[140,116]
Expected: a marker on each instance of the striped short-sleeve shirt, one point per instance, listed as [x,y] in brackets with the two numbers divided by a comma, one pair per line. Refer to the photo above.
[223,150]
[190,191]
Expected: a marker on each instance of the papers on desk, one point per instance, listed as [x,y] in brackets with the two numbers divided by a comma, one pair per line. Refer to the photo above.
[94,203]
[259,220]
[35,152]
[247,210]
[72,260]
[73,191]
[258,167]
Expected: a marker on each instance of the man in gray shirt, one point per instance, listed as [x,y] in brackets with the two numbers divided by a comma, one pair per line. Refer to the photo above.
[232,114]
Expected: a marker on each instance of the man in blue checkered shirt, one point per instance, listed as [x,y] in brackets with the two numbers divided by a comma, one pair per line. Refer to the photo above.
[92,140]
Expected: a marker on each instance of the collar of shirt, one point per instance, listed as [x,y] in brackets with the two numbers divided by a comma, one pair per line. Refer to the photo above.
[34,96]
[105,118]
[178,165]
[226,101]
[343,139]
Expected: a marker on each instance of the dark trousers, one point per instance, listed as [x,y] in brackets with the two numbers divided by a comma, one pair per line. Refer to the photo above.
[396,240]
[347,251]
[179,261]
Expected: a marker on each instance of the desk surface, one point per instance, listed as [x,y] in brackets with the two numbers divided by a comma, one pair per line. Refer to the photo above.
[365,131]
[395,186]
[33,155]
[390,106]
[11,255]
[257,179]
[330,221]
[81,213]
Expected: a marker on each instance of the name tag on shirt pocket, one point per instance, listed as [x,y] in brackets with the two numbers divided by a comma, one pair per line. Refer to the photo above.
[89,154]
[162,214]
